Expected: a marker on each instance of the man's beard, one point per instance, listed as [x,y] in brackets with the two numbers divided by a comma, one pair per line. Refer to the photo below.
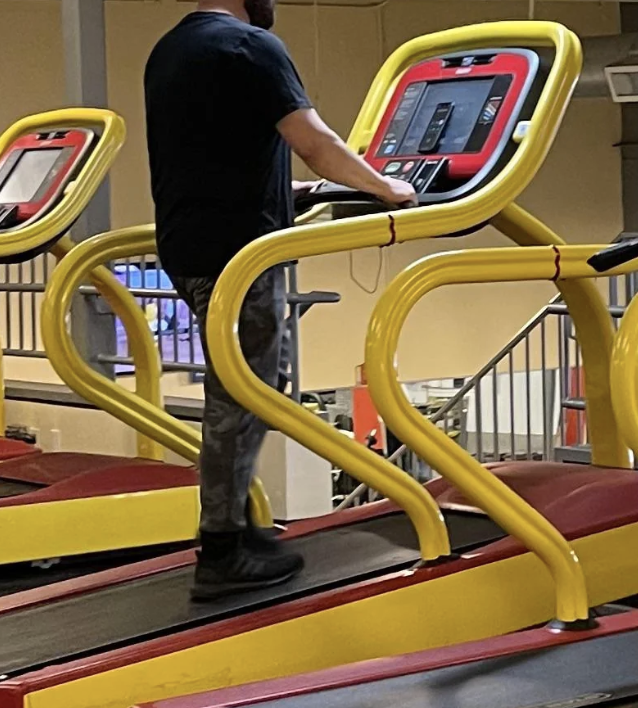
[261,13]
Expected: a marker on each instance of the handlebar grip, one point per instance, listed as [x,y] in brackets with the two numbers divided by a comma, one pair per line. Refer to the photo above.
[332,194]
[614,256]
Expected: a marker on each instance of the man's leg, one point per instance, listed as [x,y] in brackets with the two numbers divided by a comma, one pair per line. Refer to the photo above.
[232,436]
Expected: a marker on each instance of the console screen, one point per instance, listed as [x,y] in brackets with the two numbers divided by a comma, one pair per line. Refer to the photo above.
[27,176]
[440,117]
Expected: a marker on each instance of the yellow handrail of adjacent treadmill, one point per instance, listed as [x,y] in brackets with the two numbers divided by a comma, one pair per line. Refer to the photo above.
[142,414]
[382,230]
[624,374]
[482,488]
[60,219]
[142,348]
[595,332]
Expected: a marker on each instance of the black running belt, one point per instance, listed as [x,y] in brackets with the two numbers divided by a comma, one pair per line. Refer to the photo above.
[27,576]
[154,606]
[594,672]
[12,488]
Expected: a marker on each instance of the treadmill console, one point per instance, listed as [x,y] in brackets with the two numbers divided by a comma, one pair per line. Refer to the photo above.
[451,124]
[36,171]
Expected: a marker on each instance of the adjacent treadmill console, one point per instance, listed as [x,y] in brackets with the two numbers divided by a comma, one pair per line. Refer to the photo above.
[36,171]
[451,124]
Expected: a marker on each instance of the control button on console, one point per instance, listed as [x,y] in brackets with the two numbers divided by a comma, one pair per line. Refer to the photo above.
[391,168]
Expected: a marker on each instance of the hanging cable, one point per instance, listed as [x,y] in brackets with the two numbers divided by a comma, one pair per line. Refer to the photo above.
[377,279]
[531,10]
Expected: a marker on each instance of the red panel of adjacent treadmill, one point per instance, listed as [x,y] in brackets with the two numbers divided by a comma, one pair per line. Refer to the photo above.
[12,449]
[465,164]
[37,166]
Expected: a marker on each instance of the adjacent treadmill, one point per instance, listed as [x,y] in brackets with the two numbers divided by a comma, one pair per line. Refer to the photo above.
[132,635]
[66,504]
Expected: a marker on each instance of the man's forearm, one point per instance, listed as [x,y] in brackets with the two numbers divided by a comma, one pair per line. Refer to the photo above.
[329,157]
[332,160]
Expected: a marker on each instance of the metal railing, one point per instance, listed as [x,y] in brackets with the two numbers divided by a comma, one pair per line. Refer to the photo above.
[174,327]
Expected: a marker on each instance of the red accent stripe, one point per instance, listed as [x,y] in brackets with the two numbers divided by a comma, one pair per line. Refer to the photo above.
[556,263]
[380,669]
[393,232]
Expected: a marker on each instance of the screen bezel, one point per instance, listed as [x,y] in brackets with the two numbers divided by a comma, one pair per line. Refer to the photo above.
[74,145]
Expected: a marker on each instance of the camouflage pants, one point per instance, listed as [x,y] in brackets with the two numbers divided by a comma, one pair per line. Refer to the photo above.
[231,436]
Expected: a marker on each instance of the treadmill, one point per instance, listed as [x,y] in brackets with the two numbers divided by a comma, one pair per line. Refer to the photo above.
[365,592]
[51,166]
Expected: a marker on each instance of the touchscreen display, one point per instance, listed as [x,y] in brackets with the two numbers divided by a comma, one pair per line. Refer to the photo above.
[440,117]
[27,176]
[463,101]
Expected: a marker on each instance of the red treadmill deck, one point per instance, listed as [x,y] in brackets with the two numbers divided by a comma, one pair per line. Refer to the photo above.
[69,475]
[11,449]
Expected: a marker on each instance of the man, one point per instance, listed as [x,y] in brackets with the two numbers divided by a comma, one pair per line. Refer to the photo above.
[224,108]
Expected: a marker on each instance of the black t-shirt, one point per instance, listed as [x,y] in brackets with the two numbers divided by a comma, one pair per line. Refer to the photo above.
[215,89]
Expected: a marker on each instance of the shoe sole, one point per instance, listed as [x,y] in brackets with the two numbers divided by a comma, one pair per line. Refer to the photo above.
[201,594]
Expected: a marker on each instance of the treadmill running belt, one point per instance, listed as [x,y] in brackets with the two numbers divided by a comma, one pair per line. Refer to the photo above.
[156,605]
[589,673]
[11,488]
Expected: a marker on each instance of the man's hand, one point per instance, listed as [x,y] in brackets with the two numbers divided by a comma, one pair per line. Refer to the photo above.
[398,192]
[299,189]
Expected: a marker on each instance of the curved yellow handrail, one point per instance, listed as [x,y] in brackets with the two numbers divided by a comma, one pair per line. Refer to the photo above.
[624,375]
[148,367]
[483,489]
[380,230]
[594,331]
[60,219]
[145,416]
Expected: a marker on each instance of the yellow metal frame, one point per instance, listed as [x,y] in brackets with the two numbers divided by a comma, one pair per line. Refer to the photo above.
[148,368]
[623,375]
[555,263]
[594,331]
[142,409]
[98,524]
[487,601]
[380,230]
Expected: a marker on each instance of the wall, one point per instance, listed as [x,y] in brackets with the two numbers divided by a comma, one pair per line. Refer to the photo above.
[454,332]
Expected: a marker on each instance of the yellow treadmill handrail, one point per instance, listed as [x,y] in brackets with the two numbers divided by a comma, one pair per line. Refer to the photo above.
[594,331]
[60,219]
[381,230]
[624,374]
[135,409]
[142,348]
[482,488]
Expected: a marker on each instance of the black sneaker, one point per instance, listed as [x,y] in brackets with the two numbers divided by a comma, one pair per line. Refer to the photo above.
[265,541]
[243,571]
